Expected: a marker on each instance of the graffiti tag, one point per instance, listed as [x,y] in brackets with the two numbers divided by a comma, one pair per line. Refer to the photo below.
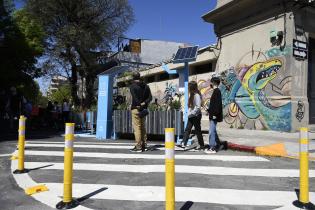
[300,111]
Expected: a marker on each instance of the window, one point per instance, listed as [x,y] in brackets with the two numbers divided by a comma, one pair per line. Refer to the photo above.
[164,76]
[149,79]
[201,69]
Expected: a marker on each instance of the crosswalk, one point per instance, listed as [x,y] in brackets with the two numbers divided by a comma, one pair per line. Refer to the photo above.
[108,176]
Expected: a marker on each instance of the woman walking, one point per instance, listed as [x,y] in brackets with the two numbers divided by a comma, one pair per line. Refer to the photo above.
[194,115]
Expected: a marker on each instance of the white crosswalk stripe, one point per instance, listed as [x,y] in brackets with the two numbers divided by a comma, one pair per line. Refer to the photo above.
[111,146]
[146,156]
[156,193]
[144,164]
[208,170]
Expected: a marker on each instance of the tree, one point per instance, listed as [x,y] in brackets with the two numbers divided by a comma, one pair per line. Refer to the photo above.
[80,32]
[31,29]
[17,51]
[64,92]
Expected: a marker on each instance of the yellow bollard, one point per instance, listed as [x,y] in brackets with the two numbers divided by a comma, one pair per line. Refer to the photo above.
[169,169]
[21,145]
[303,201]
[67,201]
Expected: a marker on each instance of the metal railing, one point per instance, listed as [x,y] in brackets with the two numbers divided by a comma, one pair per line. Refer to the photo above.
[156,121]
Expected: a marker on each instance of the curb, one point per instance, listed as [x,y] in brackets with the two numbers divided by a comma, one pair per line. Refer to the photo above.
[239,147]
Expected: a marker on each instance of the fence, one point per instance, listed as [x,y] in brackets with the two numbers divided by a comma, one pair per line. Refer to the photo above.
[156,121]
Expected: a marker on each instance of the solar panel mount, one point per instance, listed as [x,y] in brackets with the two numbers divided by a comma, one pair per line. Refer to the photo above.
[186,54]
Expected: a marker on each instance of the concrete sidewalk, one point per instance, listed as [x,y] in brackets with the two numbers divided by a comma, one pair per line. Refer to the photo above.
[278,143]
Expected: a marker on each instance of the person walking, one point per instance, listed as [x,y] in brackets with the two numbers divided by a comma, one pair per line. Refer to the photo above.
[215,116]
[65,111]
[194,115]
[140,98]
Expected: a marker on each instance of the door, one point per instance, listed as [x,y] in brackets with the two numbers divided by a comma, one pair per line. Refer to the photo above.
[311,81]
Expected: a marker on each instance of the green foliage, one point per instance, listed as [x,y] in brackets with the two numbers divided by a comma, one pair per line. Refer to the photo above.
[31,29]
[41,100]
[154,107]
[18,58]
[123,106]
[64,92]
[80,35]
[175,105]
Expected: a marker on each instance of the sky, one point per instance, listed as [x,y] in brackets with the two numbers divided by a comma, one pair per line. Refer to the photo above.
[167,20]
[173,20]
[170,20]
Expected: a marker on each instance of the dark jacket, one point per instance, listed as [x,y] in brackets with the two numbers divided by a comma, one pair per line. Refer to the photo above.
[215,106]
[140,92]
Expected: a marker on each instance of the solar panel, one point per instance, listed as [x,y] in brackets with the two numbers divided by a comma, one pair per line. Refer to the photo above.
[186,54]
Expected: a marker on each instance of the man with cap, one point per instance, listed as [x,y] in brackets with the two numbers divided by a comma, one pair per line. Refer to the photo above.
[140,98]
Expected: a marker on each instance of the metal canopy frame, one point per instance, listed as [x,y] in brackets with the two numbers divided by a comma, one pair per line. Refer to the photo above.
[104,125]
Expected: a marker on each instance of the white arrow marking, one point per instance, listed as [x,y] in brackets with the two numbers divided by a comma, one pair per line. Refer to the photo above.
[299,53]
[207,170]
[300,44]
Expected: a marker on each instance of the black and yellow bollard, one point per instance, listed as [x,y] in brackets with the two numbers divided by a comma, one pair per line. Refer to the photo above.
[169,169]
[21,146]
[303,201]
[68,202]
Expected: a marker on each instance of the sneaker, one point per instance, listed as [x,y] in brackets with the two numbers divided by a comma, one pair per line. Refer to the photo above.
[135,149]
[145,147]
[190,147]
[210,151]
[199,149]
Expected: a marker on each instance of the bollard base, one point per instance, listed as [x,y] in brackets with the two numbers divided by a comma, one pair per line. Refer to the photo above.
[308,206]
[17,171]
[67,205]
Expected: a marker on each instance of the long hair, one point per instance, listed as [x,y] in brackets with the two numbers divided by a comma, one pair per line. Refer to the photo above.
[193,89]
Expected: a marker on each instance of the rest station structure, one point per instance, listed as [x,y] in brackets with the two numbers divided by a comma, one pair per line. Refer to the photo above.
[104,129]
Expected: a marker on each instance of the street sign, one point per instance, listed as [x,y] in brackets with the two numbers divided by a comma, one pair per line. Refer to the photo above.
[300,49]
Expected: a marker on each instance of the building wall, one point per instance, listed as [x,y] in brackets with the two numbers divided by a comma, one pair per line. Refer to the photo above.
[264,86]
[257,77]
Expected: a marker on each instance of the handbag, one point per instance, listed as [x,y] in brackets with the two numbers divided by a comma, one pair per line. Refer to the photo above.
[143,112]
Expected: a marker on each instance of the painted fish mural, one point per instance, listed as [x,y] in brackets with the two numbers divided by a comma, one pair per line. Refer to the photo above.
[245,92]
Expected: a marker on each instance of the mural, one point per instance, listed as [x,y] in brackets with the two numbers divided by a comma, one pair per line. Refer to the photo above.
[206,91]
[245,100]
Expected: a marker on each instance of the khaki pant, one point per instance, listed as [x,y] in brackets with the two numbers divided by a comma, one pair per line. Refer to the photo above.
[138,125]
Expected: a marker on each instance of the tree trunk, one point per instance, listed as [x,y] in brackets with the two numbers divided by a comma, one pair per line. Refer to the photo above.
[74,78]
[89,86]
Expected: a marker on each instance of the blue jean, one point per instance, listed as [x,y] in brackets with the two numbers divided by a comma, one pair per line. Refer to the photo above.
[213,133]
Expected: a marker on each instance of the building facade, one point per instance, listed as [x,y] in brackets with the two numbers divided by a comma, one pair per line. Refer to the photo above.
[266,62]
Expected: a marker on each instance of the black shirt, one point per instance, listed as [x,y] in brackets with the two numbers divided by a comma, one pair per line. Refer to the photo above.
[140,93]
[215,106]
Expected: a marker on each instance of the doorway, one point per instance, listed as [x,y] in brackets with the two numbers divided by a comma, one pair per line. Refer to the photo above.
[311,81]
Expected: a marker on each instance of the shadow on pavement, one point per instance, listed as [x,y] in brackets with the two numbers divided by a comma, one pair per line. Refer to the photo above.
[34,169]
[187,205]
[91,194]
[31,135]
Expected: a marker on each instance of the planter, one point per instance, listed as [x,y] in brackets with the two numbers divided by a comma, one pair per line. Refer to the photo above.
[156,122]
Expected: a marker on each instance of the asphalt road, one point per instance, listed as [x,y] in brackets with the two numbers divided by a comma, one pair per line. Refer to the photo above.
[108,176]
